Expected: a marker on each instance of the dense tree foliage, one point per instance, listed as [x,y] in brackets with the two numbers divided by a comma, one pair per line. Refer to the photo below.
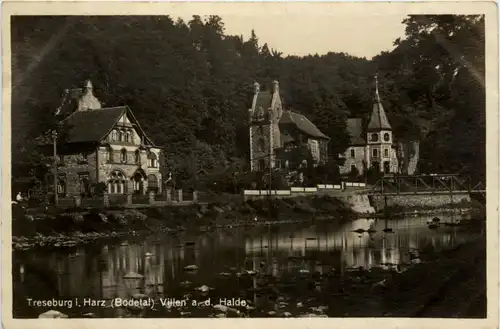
[190,85]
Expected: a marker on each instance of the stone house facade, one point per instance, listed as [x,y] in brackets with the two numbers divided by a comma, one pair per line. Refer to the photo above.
[281,138]
[373,147]
[103,145]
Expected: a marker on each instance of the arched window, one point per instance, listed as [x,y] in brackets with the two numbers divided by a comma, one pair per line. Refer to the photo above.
[122,135]
[123,156]
[128,137]
[152,160]
[137,157]
[374,137]
[152,183]
[117,183]
[387,137]
[114,135]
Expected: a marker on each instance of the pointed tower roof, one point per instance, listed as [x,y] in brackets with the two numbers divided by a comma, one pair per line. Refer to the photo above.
[378,119]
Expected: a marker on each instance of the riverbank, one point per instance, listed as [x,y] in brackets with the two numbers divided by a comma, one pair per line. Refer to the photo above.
[79,226]
[56,228]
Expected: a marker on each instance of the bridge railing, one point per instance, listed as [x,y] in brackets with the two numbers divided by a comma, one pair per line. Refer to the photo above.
[426,183]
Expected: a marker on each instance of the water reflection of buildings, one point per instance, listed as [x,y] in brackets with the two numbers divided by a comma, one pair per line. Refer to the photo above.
[99,271]
[355,249]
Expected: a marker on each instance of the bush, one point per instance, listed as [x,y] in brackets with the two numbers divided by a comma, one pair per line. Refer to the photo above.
[99,188]
[128,218]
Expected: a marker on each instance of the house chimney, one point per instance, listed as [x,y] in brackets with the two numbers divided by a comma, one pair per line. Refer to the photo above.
[256,87]
[276,87]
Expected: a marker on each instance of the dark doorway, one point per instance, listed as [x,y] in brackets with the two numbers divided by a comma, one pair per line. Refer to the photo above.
[387,168]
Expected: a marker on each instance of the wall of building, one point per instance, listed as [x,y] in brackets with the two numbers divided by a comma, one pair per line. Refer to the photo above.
[314,147]
[73,167]
[419,201]
[260,133]
[323,147]
[385,151]
[359,158]
[129,168]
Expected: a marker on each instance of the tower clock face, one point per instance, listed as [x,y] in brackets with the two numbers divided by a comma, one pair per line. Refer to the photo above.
[387,137]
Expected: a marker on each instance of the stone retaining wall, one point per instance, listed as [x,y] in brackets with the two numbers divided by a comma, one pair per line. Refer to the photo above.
[419,201]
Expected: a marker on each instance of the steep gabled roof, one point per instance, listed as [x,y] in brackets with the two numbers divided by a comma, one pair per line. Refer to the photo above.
[263,100]
[302,123]
[378,119]
[355,131]
[94,125]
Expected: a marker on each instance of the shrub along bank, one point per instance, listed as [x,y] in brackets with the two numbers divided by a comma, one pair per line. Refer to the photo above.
[77,226]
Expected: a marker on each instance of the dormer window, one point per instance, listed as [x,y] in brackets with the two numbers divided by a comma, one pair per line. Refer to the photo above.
[387,137]
[374,137]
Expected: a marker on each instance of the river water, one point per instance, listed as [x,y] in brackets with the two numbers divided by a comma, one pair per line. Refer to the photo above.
[292,259]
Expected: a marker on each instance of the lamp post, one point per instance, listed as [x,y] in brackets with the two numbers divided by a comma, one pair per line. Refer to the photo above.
[54,167]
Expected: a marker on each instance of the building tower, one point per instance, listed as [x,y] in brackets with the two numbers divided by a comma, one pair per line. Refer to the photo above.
[264,117]
[380,153]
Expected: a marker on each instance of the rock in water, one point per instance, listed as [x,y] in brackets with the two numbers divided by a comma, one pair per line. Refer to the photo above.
[52,314]
[204,288]
[191,268]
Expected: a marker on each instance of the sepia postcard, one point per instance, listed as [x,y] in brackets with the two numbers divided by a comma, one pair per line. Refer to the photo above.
[250,164]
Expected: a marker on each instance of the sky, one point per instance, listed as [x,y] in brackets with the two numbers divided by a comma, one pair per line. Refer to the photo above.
[361,35]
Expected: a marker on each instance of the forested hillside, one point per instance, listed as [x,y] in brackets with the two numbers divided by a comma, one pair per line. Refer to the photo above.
[190,84]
